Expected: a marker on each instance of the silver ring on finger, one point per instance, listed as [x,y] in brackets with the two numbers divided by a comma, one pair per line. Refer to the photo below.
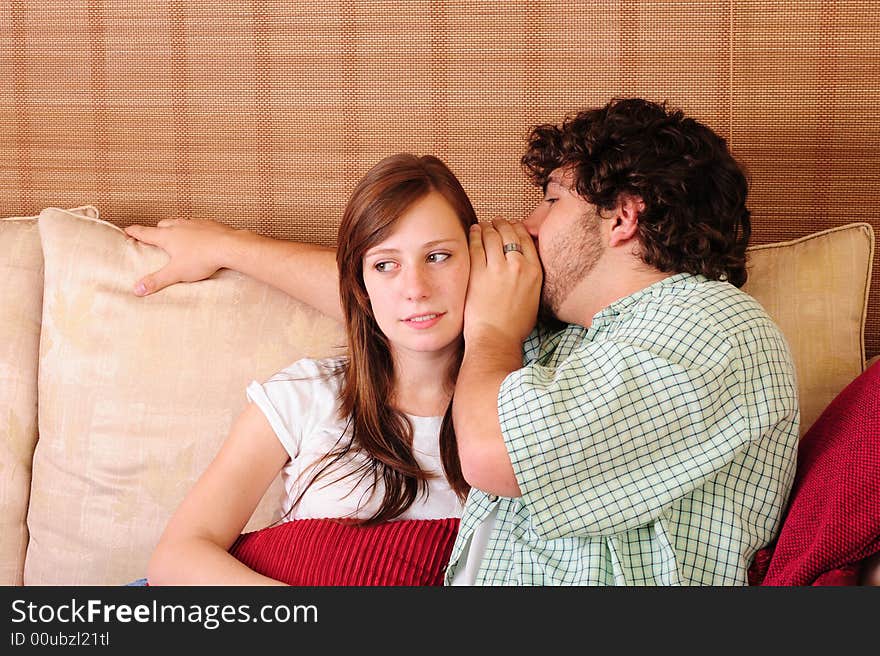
[512,246]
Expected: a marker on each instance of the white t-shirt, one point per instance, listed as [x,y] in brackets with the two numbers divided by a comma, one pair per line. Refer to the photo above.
[301,405]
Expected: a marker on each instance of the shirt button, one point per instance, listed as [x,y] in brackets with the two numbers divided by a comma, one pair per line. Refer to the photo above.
[493,498]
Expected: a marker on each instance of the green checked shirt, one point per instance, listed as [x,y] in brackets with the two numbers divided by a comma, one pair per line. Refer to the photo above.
[656,447]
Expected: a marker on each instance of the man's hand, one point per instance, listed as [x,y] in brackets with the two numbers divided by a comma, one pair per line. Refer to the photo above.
[197,248]
[500,311]
[505,287]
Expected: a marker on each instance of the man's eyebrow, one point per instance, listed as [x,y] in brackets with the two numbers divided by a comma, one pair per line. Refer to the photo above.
[553,179]
[426,245]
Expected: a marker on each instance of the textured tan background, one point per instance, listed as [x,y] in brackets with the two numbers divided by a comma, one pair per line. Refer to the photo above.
[263,114]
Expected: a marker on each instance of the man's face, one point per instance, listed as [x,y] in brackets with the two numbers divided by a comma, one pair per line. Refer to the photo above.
[566,230]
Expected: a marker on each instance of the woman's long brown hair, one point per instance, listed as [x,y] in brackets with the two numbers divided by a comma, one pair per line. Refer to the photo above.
[374,427]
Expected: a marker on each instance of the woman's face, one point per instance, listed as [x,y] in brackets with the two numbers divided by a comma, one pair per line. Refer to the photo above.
[417,278]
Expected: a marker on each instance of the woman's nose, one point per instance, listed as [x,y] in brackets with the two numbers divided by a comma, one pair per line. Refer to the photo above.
[416,284]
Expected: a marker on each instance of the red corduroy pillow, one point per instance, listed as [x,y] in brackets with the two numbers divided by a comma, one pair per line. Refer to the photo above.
[833,520]
[330,552]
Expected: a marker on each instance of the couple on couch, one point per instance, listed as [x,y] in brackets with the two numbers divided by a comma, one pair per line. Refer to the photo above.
[622,413]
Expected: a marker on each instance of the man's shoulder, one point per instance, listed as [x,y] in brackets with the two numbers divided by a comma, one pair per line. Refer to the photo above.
[693,320]
[696,303]
[683,316]
[701,321]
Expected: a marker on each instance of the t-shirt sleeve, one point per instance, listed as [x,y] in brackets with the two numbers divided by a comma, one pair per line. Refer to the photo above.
[295,401]
[605,441]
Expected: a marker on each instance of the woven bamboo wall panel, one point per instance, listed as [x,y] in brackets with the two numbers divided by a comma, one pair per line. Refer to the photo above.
[264,114]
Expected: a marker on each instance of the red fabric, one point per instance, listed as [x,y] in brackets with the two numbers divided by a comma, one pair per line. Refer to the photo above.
[833,516]
[331,553]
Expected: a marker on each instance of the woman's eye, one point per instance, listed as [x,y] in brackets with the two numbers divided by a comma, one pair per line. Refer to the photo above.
[438,257]
[550,200]
[383,266]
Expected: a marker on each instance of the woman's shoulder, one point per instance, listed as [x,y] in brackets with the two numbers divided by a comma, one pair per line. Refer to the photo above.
[299,400]
[304,394]
[318,370]
[308,379]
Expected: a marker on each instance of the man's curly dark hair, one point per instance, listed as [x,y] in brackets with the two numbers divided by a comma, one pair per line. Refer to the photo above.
[694,219]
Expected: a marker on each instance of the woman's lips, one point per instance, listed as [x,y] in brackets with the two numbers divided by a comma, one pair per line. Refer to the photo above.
[423,321]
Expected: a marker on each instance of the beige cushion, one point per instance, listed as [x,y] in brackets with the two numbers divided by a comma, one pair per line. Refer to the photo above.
[816,289]
[21,295]
[137,394]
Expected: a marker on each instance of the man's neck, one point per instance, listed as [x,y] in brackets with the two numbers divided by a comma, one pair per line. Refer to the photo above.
[605,285]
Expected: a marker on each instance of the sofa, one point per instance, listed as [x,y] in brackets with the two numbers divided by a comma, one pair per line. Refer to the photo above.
[263,115]
[111,405]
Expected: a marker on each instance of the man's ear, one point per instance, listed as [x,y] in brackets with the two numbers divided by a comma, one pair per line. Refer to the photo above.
[625,220]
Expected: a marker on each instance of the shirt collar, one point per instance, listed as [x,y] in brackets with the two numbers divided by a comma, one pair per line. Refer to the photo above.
[619,306]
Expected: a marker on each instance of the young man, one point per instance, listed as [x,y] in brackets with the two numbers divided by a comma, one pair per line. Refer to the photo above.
[649,441]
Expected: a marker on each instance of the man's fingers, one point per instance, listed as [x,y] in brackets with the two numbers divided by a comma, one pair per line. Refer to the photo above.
[528,245]
[475,242]
[156,281]
[506,232]
[514,232]
[145,234]
[492,244]
[165,223]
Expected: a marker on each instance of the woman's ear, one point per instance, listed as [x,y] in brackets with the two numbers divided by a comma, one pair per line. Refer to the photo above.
[625,221]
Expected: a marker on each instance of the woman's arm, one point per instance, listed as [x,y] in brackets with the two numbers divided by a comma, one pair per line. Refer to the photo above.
[193,548]
[198,248]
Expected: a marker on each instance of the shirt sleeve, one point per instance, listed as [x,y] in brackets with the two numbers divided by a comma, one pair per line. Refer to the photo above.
[531,345]
[540,340]
[295,401]
[620,429]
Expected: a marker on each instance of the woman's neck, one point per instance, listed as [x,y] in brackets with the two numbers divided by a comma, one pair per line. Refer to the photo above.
[422,386]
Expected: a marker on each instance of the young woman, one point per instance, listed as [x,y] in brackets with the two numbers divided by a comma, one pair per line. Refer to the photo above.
[368,437]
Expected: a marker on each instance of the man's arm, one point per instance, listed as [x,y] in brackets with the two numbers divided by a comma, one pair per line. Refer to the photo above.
[485,462]
[199,248]
[494,333]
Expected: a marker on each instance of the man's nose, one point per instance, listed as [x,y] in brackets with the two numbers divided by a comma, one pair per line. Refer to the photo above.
[533,221]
